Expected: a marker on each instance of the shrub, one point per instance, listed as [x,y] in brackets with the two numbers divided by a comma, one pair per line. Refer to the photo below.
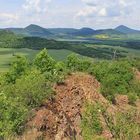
[44,62]
[114,76]
[90,124]
[13,114]
[73,62]
[60,72]
[123,126]
[99,69]
[84,65]
[18,68]
[34,88]
[132,98]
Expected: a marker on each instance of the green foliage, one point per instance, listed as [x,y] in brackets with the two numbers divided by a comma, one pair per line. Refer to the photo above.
[23,88]
[34,88]
[72,62]
[137,63]
[100,70]
[18,68]
[13,114]
[60,72]
[114,76]
[132,96]
[85,65]
[18,99]
[44,62]
[90,124]
[134,91]
[123,126]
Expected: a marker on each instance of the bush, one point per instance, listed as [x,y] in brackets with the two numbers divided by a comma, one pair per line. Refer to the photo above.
[114,76]
[73,62]
[60,72]
[84,65]
[132,98]
[44,62]
[34,89]
[135,87]
[18,68]
[13,114]
[123,126]
[100,70]
[18,99]
[90,124]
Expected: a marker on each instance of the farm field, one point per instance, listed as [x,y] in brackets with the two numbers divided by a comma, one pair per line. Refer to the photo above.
[6,55]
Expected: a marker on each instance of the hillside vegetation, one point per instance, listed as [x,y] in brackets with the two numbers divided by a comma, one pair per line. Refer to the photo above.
[64,100]
[9,40]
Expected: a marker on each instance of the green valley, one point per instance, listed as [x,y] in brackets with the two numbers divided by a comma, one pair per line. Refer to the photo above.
[7,55]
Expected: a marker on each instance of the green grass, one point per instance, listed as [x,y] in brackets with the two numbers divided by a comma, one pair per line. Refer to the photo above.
[6,55]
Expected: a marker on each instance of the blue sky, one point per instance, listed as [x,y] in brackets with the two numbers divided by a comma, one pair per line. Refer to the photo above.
[70,13]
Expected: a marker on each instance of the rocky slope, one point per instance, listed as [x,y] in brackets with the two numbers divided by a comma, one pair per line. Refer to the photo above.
[60,118]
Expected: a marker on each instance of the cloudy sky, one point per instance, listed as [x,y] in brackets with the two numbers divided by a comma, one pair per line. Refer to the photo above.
[70,13]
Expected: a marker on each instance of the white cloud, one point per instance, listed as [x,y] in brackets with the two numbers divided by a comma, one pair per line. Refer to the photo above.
[91,12]
[87,12]
[34,11]
[8,15]
[70,13]
[36,6]
[108,8]
[8,18]
[103,12]
[123,2]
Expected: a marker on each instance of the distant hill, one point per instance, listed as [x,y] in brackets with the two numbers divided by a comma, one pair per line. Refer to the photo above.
[126,30]
[109,32]
[35,30]
[72,33]
[18,31]
[7,37]
[31,30]
[84,32]
[62,31]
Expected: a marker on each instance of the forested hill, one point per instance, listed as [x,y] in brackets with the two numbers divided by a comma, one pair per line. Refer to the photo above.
[9,40]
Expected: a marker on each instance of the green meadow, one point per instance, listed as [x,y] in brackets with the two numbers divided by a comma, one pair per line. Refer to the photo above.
[7,55]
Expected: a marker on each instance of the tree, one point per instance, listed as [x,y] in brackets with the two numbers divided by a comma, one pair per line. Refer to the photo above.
[73,62]
[44,62]
[18,68]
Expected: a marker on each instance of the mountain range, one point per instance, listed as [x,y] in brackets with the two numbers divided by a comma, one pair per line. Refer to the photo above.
[38,31]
